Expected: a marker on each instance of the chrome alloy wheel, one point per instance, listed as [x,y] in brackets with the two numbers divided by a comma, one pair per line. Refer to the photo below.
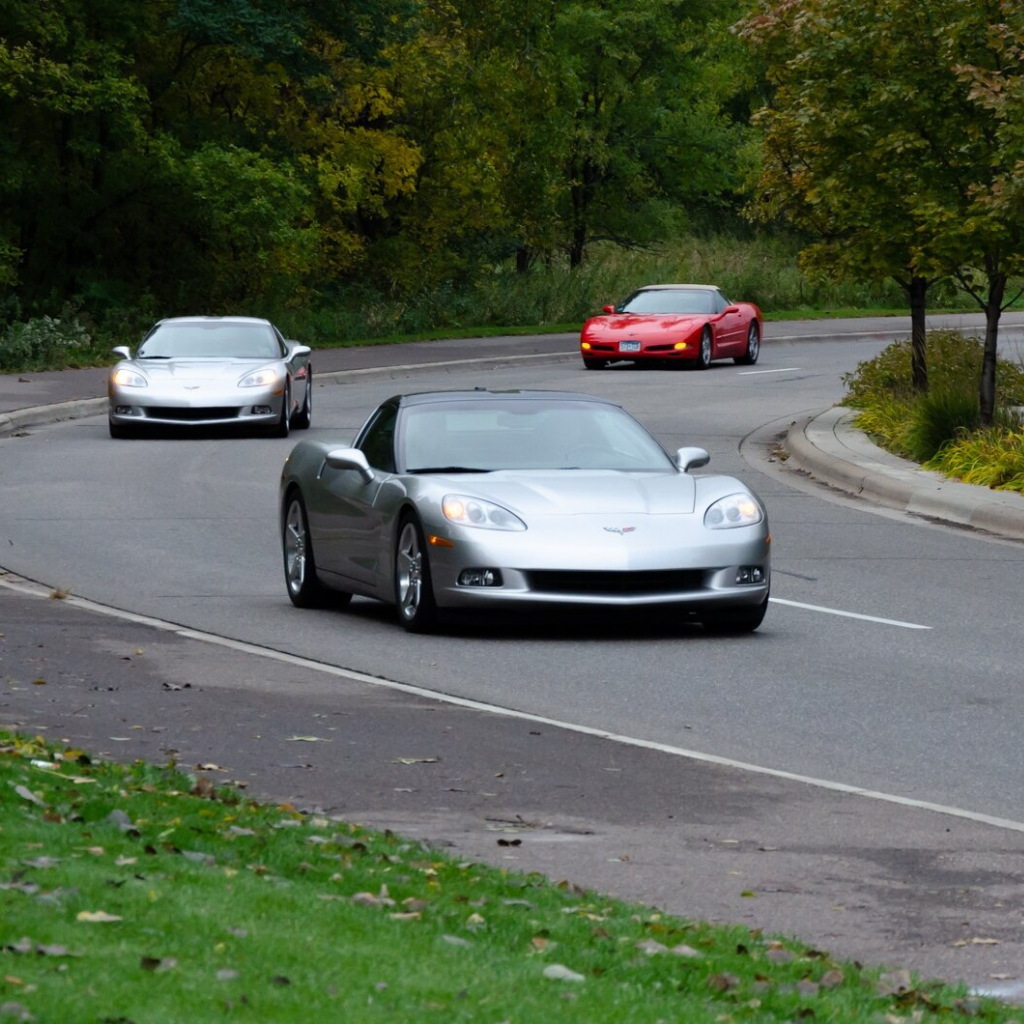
[753,344]
[409,572]
[295,545]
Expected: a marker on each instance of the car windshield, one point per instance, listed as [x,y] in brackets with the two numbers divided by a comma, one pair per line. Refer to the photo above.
[211,340]
[525,434]
[670,300]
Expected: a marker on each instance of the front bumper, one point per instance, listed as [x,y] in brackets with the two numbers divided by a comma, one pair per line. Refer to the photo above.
[614,571]
[204,407]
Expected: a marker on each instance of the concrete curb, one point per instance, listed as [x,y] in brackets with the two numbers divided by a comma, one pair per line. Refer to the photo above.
[831,450]
[37,416]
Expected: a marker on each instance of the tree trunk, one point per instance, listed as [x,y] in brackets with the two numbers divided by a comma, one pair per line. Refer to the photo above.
[917,289]
[993,309]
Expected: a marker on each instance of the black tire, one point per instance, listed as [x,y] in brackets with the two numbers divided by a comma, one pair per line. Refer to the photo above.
[414,587]
[118,431]
[737,620]
[703,360]
[595,364]
[753,347]
[304,588]
[284,424]
[304,415]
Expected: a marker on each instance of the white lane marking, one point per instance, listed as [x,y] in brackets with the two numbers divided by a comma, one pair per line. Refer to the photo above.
[848,615]
[839,335]
[27,587]
[753,373]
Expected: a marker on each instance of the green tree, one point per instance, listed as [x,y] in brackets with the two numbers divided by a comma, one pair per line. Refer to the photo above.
[645,126]
[877,140]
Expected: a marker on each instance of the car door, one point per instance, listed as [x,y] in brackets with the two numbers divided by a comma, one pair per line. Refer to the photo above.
[730,331]
[347,524]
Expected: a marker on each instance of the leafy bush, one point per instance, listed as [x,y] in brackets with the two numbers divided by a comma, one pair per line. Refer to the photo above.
[940,429]
[44,342]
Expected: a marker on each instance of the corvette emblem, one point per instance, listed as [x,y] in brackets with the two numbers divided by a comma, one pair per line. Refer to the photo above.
[620,529]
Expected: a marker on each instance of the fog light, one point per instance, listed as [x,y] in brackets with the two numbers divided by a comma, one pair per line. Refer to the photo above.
[261,410]
[480,578]
[124,410]
[750,574]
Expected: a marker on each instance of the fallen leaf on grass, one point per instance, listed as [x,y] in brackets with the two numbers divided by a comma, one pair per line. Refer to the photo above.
[158,964]
[723,982]
[650,947]
[97,917]
[26,794]
[894,983]
[558,972]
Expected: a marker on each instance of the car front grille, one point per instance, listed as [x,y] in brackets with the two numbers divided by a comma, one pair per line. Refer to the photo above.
[618,583]
[181,415]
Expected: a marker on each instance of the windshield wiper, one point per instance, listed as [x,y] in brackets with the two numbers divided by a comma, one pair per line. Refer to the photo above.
[147,356]
[450,469]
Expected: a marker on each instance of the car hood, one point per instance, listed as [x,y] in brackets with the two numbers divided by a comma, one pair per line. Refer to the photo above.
[580,492]
[648,323]
[197,369]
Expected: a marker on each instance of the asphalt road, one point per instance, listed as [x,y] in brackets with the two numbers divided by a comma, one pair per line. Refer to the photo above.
[888,663]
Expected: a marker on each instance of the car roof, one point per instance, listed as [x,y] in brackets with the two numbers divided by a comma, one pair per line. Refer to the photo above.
[680,287]
[219,319]
[483,394]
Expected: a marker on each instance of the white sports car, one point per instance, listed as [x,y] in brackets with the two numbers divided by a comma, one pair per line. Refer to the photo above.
[205,371]
[481,499]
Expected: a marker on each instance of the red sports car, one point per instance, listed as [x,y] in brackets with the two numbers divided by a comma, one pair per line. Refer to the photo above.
[681,324]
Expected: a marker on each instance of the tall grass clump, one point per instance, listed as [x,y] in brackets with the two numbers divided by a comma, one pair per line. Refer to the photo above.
[941,428]
[990,458]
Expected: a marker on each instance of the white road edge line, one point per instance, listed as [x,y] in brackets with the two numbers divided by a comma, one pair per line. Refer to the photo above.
[848,615]
[754,373]
[26,587]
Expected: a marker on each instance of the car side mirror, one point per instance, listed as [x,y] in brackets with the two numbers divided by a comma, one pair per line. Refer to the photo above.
[350,458]
[692,458]
[295,349]
[123,351]
[607,309]
[730,309]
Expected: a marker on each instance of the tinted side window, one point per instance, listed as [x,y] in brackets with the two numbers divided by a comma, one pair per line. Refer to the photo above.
[378,441]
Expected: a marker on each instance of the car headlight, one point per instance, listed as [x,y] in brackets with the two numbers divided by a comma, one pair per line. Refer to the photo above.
[126,378]
[735,510]
[264,378]
[466,511]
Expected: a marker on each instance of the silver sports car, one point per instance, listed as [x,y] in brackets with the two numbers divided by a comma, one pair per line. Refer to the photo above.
[483,499]
[212,371]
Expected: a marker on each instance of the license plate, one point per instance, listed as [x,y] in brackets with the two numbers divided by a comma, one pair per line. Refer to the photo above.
[629,346]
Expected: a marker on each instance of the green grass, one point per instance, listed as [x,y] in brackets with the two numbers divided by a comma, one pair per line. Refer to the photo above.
[136,893]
